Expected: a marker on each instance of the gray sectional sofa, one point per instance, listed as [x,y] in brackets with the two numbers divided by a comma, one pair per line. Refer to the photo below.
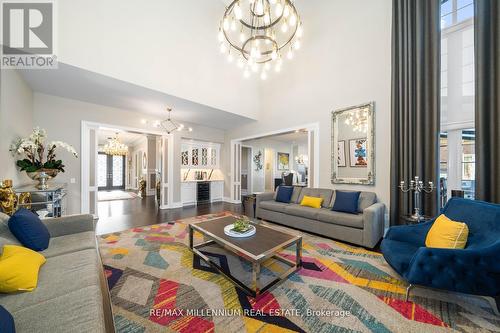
[72,294]
[365,228]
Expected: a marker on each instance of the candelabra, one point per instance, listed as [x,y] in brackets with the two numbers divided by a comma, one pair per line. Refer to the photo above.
[417,186]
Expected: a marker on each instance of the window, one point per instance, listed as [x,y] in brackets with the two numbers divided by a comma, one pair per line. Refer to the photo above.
[468,163]
[456,11]
[457,156]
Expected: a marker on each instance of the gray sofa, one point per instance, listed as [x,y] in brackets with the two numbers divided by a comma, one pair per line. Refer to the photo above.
[72,294]
[365,228]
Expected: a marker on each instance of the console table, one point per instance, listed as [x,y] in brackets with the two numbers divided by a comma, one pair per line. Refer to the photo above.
[53,198]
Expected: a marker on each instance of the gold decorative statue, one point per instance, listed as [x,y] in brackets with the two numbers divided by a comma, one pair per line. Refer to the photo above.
[24,200]
[142,187]
[8,199]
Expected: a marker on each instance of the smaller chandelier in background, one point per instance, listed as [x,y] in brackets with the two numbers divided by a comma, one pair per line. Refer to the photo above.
[257,34]
[115,147]
[169,125]
[358,120]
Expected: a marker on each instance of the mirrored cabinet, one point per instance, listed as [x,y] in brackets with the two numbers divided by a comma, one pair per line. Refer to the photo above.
[196,154]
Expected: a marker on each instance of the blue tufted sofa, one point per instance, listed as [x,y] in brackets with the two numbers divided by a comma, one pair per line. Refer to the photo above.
[473,270]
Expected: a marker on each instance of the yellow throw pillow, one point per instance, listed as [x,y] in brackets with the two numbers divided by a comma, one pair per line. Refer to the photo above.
[19,268]
[313,202]
[447,234]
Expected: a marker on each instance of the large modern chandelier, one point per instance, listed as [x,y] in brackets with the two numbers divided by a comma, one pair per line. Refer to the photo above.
[169,125]
[115,147]
[258,33]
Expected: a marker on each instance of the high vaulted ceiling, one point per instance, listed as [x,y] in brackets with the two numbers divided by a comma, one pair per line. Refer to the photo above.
[168,46]
[76,83]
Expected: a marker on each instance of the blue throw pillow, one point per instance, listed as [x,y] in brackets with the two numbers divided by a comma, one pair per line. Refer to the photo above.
[29,230]
[346,202]
[6,321]
[284,194]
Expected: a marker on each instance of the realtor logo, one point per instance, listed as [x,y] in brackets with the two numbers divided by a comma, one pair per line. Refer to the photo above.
[28,35]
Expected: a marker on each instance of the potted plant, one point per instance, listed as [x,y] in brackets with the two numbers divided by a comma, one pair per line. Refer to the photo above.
[40,162]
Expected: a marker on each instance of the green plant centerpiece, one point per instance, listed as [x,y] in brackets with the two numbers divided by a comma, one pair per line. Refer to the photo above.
[241,225]
[38,157]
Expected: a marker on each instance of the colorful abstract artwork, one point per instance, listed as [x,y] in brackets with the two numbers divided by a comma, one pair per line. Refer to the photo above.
[357,153]
[158,285]
[283,161]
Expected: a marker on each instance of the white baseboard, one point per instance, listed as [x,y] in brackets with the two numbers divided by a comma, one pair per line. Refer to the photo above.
[229,200]
[172,206]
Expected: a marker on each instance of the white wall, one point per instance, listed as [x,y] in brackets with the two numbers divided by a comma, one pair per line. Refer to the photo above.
[166,45]
[16,120]
[62,118]
[345,60]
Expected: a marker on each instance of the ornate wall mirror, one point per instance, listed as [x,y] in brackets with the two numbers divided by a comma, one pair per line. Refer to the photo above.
[353,142]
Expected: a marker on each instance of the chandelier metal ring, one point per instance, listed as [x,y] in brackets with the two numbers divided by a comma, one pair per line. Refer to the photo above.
[246,54]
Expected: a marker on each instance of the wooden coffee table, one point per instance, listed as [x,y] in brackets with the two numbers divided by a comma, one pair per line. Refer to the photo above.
[264,245]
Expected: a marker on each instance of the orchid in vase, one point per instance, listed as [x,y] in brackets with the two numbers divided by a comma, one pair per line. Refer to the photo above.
[40,161]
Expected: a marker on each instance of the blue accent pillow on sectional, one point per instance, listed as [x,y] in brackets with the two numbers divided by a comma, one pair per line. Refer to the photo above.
[29,230]
[346,202]
[6,321]
[284,194]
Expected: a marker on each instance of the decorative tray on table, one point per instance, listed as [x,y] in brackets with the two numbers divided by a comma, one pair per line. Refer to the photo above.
[240,228]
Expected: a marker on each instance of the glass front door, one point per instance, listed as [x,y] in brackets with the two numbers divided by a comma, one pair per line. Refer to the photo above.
[110,172]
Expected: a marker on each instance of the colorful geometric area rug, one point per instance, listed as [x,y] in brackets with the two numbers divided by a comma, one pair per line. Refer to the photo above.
[157,285]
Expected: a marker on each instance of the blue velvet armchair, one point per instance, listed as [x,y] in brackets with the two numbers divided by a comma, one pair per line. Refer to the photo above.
[473,270]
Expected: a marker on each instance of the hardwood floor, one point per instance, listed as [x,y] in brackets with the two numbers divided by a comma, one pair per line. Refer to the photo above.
[118,215]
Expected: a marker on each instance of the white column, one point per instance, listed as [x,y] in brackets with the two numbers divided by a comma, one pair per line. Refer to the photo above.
[235,171]
[89,168]
[166,188]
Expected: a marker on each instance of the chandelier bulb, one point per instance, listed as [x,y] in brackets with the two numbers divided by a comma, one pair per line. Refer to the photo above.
[263,75]
[190,129]
[267,19]
[267,66]
[259,8]
[255,67]
[272,2]
[220,36]
[286,11]
[289,55]
[274,55]
[296,45]
[242,36]
[225,24]
[233,25]
[223,48]
[246,73]
[277,68]
[284,27]
[229,57]
[293,20]
[278,10]
[237,12]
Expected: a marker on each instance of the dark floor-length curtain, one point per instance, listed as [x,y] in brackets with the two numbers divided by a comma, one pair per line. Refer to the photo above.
[416,40]
[487,112]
